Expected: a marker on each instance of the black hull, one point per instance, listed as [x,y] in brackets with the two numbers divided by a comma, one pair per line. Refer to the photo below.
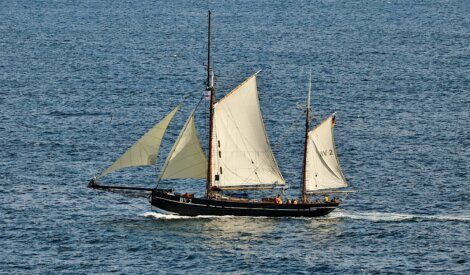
[198,206]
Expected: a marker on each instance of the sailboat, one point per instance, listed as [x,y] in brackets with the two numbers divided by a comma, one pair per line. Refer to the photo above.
[239,158]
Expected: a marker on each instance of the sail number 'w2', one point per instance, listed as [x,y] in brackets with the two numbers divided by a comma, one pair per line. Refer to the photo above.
[326,152]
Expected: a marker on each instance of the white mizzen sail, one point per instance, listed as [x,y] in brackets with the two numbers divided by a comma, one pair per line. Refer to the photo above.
[242,156]
[145,150]
[186,158]
[323,170]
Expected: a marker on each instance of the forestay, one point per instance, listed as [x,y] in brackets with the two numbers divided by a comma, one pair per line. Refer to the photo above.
[242,156]
[186,158]
[145,150]
[323,170]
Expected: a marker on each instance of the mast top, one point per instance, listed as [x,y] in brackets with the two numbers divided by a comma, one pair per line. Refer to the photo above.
[309,89]
[209,83]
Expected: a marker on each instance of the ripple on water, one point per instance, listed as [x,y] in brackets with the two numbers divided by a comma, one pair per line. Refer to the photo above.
[80,81]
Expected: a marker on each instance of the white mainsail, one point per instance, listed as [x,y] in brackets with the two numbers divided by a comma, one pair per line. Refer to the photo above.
[145,150]
[242,156]
[322,168]
[186,158]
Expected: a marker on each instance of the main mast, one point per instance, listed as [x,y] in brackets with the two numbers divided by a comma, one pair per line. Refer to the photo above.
[307,129]
[210,89]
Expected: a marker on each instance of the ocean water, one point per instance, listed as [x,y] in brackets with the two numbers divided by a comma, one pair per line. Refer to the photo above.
[80,81]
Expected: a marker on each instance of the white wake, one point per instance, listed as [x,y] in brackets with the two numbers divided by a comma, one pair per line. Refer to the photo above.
[162,216]
[383,216]
[341,214]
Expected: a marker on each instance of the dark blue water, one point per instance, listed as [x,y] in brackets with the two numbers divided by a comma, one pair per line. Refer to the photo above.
[80,81]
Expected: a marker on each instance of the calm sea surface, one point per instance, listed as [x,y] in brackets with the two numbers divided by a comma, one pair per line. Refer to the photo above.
[80,81]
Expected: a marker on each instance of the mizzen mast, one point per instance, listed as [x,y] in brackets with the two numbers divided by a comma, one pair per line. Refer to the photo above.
[209,89]
[307,129]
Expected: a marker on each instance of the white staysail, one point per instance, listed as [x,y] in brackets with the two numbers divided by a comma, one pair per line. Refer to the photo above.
[323,170]
[242,156]
[186,158]
[145,150]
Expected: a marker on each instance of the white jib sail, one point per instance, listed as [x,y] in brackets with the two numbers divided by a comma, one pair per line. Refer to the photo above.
[323,170]
[145,150]
[186,158]
[242,156]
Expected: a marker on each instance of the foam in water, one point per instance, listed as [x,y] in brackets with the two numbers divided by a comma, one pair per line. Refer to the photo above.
[370,216]
[161,216]
[382,216]
[166,216]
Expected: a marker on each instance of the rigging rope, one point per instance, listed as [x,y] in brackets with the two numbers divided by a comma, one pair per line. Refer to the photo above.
[295,125]
[116,200]
[183,98]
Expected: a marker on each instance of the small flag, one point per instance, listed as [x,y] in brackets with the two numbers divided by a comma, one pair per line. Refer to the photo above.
[207,95]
